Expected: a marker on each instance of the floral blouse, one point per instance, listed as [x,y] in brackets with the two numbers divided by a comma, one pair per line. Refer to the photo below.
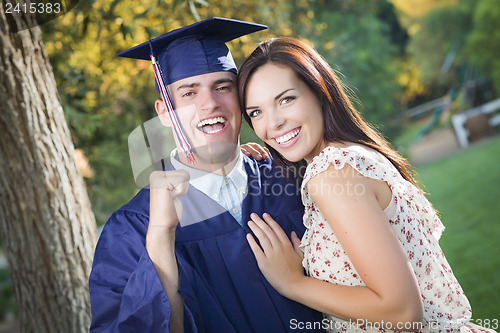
[417,226]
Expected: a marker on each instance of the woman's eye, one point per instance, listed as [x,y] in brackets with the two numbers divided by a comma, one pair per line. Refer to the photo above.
[254,113]
[287,100]
[188,94]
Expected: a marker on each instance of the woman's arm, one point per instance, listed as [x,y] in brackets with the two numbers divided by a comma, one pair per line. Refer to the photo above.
[255,150]
[349,203]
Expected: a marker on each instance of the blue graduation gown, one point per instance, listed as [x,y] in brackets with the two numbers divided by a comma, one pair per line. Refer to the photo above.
[220,282]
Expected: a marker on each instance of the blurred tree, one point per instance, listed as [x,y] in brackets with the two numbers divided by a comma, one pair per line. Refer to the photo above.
[392,28]
[482,45]
[410,13]
[462,54]
[364,41]
[47,226]
[436,38]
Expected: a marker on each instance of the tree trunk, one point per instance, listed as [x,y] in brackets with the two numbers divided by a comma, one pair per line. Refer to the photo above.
[47,226]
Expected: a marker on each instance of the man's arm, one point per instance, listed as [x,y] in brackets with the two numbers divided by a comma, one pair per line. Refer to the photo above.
[161,250]
[126,293]
[165,213]
[132,289]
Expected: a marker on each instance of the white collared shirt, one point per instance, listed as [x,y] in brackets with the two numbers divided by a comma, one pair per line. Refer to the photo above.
[228,191]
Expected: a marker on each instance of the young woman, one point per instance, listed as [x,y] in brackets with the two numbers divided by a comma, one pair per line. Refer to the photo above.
[371,248]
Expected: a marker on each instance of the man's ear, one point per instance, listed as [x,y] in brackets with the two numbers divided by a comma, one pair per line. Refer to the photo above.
[161,110]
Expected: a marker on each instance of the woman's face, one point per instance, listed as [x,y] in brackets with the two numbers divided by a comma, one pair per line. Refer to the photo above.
[285,112]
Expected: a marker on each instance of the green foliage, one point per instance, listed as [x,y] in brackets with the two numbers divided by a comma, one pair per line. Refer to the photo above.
[458,41]
[483,42]
[364,48]
[437,38]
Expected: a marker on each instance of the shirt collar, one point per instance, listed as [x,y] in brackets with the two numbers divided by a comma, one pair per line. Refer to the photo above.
[209,183]
[239,175]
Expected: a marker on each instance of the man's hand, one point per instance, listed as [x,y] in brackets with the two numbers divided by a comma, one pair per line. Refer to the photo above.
[165,207]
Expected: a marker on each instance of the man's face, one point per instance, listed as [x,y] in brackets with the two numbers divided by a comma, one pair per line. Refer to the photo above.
[208,109]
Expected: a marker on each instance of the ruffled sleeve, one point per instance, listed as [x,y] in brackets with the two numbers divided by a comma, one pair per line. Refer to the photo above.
[372,165]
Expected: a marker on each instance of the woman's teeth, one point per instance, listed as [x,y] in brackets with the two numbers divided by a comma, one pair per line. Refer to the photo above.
[287,137]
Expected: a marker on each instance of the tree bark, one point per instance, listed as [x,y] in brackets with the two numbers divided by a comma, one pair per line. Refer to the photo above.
[46,222]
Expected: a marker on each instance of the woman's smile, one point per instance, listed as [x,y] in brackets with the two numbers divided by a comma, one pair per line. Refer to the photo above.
[285,112]
[289,138]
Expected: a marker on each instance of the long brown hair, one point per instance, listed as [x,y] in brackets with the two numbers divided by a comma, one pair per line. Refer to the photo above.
[342,123]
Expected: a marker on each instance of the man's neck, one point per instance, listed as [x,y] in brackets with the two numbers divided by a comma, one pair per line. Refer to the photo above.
[218,168]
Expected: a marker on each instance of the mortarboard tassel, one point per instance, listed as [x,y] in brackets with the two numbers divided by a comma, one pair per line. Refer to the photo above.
[179,132]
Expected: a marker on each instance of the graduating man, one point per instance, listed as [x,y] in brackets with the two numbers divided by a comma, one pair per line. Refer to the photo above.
[175,258]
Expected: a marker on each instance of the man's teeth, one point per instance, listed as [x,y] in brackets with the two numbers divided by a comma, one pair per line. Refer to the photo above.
[214,131]
[211,124]
[211,121]
[287,137]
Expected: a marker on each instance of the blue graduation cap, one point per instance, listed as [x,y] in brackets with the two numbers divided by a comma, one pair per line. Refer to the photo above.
[196,49]
[189,51]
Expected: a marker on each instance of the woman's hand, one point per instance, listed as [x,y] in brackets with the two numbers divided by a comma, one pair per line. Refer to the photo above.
[252,149]
[478,329]
[279,260]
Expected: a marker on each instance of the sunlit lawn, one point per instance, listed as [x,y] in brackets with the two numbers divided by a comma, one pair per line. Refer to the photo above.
[465,189]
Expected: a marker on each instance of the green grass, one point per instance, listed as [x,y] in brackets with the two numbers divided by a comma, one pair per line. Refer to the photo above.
[465,189]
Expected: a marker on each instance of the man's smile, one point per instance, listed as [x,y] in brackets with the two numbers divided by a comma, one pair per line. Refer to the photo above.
[212,125]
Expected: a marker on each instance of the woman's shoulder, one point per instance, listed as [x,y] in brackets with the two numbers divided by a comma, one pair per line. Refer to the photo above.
[339,153]
[352,149]
[365,160]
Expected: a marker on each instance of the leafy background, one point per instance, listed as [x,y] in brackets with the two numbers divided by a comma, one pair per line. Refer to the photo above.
[392,54]
[389,53]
